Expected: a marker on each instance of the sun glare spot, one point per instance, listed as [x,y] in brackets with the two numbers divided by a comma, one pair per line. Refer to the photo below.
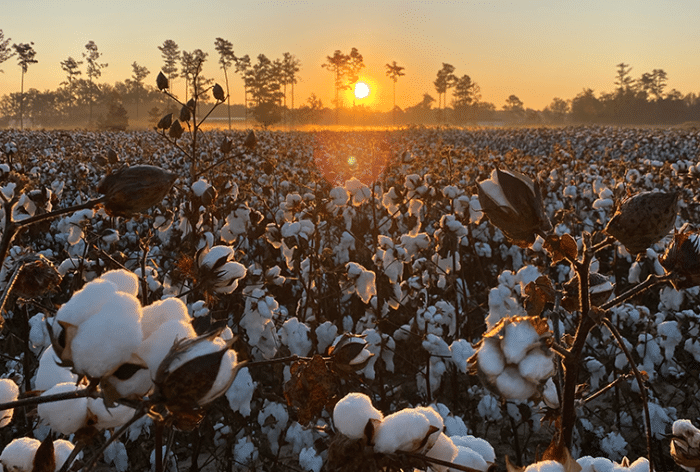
[361,90]
[352,161]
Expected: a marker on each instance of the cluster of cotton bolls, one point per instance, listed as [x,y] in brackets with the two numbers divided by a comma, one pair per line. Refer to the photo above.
[19,455]
[513,360]
[414,430]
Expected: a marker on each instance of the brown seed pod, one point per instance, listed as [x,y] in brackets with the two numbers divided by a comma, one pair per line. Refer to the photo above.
[682,259]
[162,81]
[218,93]
[643,219]
[37,276]
[135,189]
[165,122]
[251,140]
[176,130]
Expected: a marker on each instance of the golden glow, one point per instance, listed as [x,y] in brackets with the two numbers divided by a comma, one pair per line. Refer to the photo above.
[361,90]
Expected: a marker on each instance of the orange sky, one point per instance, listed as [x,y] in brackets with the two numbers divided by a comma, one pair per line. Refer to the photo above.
[536,50]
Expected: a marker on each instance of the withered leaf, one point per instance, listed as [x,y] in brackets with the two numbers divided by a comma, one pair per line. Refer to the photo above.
[45,460]
[537,295]
[561,247]
[312,387]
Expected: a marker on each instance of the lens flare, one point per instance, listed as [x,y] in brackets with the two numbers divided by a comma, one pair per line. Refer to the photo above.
[361,90]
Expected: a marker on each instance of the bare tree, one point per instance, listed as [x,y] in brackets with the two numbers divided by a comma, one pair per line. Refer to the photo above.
[394,71]
[25,53]
[170,52]
[94,69]
[226,59]
[5,51]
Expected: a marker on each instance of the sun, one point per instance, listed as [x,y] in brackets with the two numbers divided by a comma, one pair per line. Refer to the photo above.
[361,90]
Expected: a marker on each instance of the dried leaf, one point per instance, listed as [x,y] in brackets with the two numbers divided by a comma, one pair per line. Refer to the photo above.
[560,453]
[312,387]
[537,295]
[561,247]
[45,460]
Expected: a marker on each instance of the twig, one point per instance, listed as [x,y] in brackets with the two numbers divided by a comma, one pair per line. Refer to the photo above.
[85,392]
[642,388]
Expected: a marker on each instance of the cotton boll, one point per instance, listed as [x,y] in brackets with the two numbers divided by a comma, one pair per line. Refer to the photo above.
[490,358]
[545,466]
[62,449]
[19,454]
[513,386]
[66,416]
[436,422]
[154,349]
[157,313]
[352,413]
[9,392]
[310,460]
[85,302]
[468,458]
[135,386]
[108,338]
[295,335]
[404,430]
[224,378]
[50,373]
[478,445]
[443,449]
[517,341]
[106,418]
[595,464]
[126,281]
[240,393]
[536,366]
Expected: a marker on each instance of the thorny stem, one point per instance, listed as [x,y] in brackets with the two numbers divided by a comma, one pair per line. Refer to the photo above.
[640,381]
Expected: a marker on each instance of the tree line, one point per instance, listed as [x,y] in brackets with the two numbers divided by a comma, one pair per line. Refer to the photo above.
[269,94]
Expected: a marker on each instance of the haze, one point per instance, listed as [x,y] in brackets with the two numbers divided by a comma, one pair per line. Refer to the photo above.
[536,50]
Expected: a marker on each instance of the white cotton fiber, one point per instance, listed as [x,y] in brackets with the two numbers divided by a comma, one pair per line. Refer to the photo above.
[85,302]
[351,414]
[9,391]
[50,373]
[404,430]
[435,420]
[469,458]
[62,450]
[490,357]
[125,280]
[444,450]
[108,338]
[513,386]
[106,418]
[19,454]
[240,393]
[536,366]
[157,313]
[66,416]
[478,445]
[295,335]
[517,341]
[545,466]
[154,349]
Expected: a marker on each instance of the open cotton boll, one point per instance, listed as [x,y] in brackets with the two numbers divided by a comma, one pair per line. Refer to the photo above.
[62,450]
[198,349]
[404,430]
[154,348]
[351,414]
[545,466]
[295,335]
[478,445]
[157,313]
[108,338]
[224,378]
[490,357]
[50,373]
[85,302]
[518,340]
[595,464]
[513,386]
[106,418]
[436,421]
[66,416]
[136,386]
[19,454]
[240,393]
[468,458]
[9,392]
[536,366]
[444,450]
[125,280]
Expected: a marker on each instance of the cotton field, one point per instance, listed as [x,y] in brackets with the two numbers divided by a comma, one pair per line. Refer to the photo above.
[413,299]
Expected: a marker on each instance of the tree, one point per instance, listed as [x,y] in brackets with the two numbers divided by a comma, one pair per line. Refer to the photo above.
[654,83]
[226,59]
[242,67]
[94,69]
[624,80]
[5,51]
[557,110]
[138,75]
[345,68]
[170,52]
[192,63]
[444,81]
[72,69]
[466,92]
[514,106]
[25,53]
[290,67]
[394,71]
[264,80]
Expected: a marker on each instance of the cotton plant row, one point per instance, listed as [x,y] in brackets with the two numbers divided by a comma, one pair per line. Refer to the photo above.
[396,248]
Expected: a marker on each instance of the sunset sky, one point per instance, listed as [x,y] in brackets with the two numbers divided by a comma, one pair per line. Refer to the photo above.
[536,50]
